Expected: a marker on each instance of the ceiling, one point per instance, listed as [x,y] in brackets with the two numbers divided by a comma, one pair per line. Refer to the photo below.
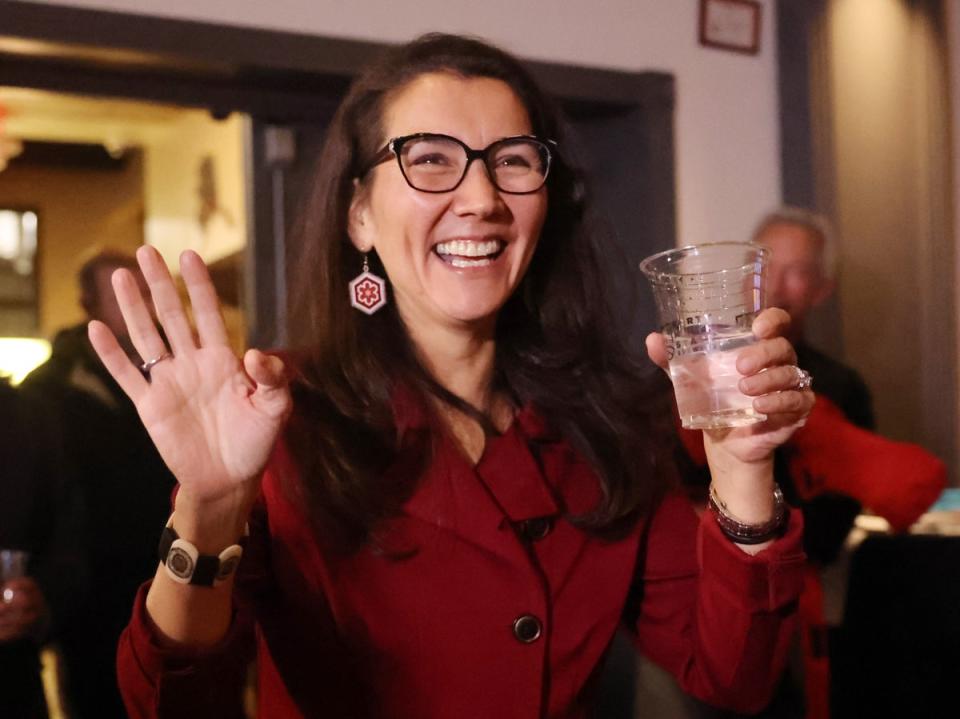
[40,115]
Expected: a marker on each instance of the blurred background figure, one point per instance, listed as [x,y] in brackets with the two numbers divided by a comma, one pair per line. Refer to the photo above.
[835,466]
[39,523]
[800,278]
[831,469]
[124,485]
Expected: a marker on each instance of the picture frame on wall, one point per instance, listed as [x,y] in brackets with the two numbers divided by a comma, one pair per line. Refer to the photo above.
[731,25]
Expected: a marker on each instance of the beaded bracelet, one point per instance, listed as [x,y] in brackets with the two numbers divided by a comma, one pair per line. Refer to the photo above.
[743,533]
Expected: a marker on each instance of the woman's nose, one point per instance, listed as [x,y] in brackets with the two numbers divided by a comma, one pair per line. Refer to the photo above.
[477,195]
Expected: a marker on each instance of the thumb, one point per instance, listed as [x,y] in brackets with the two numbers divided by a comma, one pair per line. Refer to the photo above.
[657,349]
[268,372]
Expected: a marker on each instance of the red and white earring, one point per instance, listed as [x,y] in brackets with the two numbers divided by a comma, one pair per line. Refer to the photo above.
[368,292]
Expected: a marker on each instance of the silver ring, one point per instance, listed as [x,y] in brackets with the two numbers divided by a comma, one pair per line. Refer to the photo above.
[804,379]
[149,364]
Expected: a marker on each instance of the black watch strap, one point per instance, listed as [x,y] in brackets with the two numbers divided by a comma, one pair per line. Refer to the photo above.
[187,566]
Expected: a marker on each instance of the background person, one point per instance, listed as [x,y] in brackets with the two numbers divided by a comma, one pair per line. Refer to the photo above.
[123,482]
[39,514]
[801,276]
[834,466]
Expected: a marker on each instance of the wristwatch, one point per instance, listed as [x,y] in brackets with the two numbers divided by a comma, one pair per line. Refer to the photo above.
[185,564]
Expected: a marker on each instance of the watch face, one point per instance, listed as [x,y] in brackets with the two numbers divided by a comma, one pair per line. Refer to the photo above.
[180,563]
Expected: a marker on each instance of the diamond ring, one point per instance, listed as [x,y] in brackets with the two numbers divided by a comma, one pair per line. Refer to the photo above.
[804,379]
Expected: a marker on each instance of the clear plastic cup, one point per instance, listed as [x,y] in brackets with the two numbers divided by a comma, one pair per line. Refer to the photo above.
[707,297]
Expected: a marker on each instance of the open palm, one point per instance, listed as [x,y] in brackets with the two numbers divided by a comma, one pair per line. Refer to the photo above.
[213,417]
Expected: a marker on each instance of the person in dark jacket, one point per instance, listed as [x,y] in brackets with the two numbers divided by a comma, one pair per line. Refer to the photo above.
[123,482]
[39,516]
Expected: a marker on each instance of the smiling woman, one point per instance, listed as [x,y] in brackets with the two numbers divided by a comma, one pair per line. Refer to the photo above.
[453,242]
[445,507]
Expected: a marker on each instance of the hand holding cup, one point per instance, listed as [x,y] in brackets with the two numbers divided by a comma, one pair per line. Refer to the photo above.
[770,378]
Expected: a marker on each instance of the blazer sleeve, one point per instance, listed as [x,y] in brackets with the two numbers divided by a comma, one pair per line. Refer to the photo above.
[720,620]
[158,681]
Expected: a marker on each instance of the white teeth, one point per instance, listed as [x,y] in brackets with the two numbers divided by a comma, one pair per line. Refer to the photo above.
[460,262]
[469,248]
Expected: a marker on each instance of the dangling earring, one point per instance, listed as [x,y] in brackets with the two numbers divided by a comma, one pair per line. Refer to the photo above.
[368,292]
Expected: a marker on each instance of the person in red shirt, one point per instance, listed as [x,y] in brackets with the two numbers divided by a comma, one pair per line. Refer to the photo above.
[446,502]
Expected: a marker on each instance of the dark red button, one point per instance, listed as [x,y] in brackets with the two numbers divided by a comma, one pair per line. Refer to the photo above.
[527,628]
[533,530]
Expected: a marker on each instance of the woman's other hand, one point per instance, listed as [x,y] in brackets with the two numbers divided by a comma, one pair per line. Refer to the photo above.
[741,458]
[21,607]
[770,376]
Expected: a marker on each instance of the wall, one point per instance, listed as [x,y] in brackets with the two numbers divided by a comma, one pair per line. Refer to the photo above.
[77,209]
[952,8]
[175,187]
[728,169]
[891,178]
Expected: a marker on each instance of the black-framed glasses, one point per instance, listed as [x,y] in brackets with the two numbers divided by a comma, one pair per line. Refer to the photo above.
[431,162]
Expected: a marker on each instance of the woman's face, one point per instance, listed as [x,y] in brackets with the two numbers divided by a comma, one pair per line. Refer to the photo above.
[452,258]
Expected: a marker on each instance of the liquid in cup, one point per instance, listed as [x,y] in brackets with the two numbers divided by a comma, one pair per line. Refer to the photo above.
[707,297]
[705,379]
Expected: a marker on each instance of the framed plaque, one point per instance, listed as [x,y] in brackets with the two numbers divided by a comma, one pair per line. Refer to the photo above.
[731,25]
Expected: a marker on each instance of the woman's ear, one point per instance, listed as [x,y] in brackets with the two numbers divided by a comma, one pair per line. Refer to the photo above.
[359,223]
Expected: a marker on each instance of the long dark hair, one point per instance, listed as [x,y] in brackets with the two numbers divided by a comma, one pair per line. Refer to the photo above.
[557,346]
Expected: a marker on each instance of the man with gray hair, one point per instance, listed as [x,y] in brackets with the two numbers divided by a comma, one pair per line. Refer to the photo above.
[827,469]
[801,276]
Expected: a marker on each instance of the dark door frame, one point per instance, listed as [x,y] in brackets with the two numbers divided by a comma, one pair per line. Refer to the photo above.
[265,72]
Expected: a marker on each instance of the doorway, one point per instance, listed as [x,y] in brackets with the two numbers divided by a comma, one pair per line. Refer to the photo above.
[92,174]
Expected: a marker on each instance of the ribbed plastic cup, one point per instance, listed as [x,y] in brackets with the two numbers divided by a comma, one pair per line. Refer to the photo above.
[707,297]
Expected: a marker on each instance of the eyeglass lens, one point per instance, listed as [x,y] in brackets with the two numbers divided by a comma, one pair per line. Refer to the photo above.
[437,164]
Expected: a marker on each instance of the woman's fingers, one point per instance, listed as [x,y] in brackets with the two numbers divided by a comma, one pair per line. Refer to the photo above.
[270,375]
[143,332]
[657,349]
[116,361]
[765,353]
[771,322]
[268,371]
[797,403]
[773,379]
[770,372]
[203,297]
[166,301]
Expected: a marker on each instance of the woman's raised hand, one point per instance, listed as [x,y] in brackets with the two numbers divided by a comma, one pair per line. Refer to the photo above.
[213,417]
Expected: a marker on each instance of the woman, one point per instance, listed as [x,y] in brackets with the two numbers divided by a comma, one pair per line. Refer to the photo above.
[472,489]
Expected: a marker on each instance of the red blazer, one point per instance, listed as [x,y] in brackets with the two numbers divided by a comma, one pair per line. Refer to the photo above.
[492,615]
